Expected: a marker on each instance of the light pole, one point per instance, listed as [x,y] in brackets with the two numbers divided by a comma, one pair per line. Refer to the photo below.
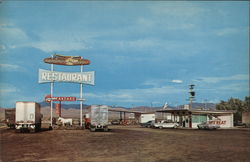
[191,95]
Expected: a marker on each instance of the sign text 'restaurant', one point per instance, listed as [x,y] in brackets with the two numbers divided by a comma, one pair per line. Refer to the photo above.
[46,76]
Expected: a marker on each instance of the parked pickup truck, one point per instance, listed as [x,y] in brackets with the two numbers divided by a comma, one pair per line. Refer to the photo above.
[166,124]
[207,125]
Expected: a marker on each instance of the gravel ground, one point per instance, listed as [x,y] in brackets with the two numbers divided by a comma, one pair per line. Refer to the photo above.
[126,143]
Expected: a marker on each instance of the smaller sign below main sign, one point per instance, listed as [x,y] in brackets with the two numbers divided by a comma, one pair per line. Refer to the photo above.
[49,98]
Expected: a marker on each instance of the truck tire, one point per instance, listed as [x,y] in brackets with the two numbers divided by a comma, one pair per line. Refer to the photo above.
[83,127]
[37,127]
[160,127]
[18,130]
[106,129]
[33,130]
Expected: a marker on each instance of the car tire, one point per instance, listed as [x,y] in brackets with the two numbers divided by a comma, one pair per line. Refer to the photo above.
[92,129]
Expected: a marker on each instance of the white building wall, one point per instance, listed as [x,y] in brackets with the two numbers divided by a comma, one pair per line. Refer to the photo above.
[225,121]
[167,116]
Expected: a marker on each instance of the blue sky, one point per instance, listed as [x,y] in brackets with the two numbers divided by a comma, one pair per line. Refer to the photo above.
[143,52]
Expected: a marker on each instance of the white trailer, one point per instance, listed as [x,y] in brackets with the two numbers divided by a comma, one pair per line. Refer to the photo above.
[144,118]
[28,116]
[98,117]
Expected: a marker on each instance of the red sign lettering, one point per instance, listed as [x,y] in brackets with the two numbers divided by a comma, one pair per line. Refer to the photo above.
[217,122]
[48,98]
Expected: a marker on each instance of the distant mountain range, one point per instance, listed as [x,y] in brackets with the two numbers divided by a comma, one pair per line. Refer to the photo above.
[73,110]
[211,106]
[65,106]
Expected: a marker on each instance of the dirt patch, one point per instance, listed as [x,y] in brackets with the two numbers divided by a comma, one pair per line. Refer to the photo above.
[126,143]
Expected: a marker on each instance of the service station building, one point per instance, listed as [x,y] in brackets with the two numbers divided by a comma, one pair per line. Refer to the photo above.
[191,118]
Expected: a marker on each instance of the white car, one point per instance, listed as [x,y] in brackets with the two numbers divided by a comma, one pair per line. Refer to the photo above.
[166,124]
[207,125]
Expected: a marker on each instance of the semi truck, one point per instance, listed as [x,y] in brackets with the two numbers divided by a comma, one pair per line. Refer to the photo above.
[28,116]
[98,117]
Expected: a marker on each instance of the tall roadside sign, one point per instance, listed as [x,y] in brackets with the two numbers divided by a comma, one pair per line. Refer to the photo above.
[46,76]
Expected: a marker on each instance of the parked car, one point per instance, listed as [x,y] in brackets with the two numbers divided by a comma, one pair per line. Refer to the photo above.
[115,122]
[207,125]
[166,124]
[148,124]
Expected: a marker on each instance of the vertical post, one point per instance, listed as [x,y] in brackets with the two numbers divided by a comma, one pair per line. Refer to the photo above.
[124,117]
[205,104]
[81,99]
[191,103]
[192,94]
[51,94]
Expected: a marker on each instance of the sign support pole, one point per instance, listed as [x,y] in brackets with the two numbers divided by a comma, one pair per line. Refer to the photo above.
[81,101]
[51,94]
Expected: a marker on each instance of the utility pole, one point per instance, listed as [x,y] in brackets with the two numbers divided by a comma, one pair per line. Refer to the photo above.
[191,95]
[205,104]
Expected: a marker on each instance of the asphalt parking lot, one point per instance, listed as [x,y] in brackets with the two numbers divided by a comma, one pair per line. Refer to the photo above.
[126,143]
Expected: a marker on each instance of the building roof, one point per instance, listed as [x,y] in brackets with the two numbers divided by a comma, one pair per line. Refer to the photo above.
[194,111]
[124,110]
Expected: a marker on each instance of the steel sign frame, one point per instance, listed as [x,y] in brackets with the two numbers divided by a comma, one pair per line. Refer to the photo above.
[46,76]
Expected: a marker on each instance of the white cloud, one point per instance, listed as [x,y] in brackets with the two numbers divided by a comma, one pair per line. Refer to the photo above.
[177,9]
[228,78]
[136,95]
[148,23]
[3,47]
[160,82]
[10,67]
[62,40]
[12,34]
[12,37]
[6,88]
[49,41]
[177,81]
[227,31]
[234,87]
[58,46]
